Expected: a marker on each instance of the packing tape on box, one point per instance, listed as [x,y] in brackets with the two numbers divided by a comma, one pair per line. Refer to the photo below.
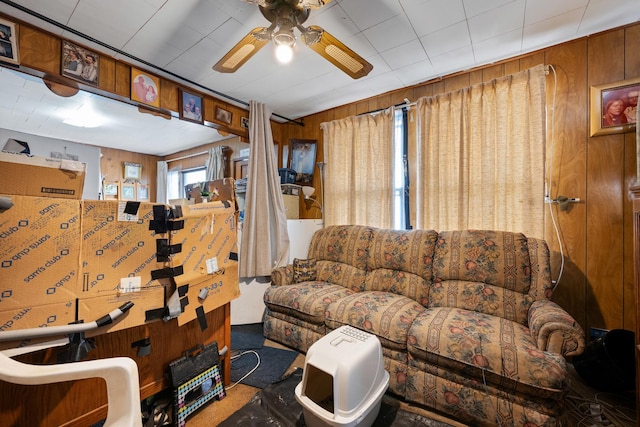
[166,272]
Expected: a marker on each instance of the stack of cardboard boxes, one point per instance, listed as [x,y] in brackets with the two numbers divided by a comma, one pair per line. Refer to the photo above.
[64,259]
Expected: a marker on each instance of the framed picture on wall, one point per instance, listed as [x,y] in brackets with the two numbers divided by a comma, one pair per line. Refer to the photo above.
[145,88]
[143,192]
[132,171]
[191,107]
[110,190]
[128,191]
[302,159]
[79,63]
[614,106]
[9,42]
[223,115]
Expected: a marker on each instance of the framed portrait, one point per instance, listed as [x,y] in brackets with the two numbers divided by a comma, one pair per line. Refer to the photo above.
[9,50]
[145,88]
[244,122]
[79,63]
[191,107]
[223,115]
[613,107]
[302,159]
[143,192]
[132,171]
[128,191]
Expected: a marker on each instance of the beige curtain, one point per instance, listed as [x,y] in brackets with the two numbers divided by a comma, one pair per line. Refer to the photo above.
[265,241]
[478,159]
[358,172]
[215,163]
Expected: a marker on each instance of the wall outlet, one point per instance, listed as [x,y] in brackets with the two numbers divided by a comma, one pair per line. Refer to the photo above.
[595,333]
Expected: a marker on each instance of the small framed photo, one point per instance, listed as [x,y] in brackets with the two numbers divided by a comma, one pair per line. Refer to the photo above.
[302,159]
[79,63]
[9,51]
[143,192]
[613,107]
[223,115]
[110,190]
[191,107]
[128,191]
[244,122]
[145,88]
[132,171]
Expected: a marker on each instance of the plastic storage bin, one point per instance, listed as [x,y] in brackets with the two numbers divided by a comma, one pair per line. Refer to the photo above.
[343,380]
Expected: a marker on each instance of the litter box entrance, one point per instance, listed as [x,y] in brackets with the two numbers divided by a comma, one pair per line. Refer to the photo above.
[319,388]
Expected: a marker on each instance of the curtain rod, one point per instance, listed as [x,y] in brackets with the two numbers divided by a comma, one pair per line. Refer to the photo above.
[188,156]
[405,104]
[128,55]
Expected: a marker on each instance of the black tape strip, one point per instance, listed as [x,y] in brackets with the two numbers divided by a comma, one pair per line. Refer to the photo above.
[155,314]
[175,224]
[163,249]
[202,319]
[159,221]
[233,256]
[167,272]
[140,343]
[131,208]
[182,290]
[183,303]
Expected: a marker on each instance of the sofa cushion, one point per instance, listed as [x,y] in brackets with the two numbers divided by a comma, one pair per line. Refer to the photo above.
[386,315]
[347,244]
[487,348]
[307,301]
[304,270]
[342,274]
[481,297]
[495,257]
[402,262]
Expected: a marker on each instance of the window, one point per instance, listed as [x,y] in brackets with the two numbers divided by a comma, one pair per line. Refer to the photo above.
[400,172]
[178,179]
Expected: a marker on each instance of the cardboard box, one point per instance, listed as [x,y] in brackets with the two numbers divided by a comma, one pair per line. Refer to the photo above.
[118,249]
[150,298]
[36,316]
[209,242]
[39,251]
[27,175]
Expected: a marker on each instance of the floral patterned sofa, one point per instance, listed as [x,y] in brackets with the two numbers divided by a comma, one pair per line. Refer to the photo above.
[464,317]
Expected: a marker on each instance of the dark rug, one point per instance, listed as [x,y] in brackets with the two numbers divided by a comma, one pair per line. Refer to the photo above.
[246,337]
[277,406]
[273,361]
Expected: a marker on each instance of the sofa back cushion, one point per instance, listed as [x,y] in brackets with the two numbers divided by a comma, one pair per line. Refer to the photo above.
[341,253]
[484,271]
[401,262]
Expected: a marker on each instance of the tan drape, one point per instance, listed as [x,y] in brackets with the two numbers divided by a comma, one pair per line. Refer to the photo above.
[358,172]
[478,159]
[265,240]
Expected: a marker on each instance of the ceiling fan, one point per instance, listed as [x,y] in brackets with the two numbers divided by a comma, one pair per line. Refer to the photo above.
[285,15]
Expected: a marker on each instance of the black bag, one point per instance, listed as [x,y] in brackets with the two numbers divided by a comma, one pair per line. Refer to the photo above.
[196,379]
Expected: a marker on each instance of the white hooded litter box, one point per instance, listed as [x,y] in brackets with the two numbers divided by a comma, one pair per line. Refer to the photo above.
[343,380]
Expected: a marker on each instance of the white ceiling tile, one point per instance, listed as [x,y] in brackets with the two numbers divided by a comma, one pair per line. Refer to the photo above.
[450,38]
[498,48]
[562,27]
[600,15]
[403,55]
[430,16]
[541,10]
[365,14]
[390,33]
[497,21]
[476,7]
[454,60]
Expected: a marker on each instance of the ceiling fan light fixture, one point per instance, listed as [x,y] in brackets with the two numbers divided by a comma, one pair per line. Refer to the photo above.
[284,42]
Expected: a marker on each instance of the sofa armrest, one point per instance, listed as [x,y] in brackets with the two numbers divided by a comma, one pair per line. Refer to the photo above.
[554,329]
[282,276]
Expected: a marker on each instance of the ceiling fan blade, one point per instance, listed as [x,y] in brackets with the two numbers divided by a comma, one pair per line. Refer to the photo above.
[340,55]
[312,4]
[241,52]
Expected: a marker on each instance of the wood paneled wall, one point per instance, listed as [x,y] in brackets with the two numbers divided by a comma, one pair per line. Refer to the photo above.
[596,286]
